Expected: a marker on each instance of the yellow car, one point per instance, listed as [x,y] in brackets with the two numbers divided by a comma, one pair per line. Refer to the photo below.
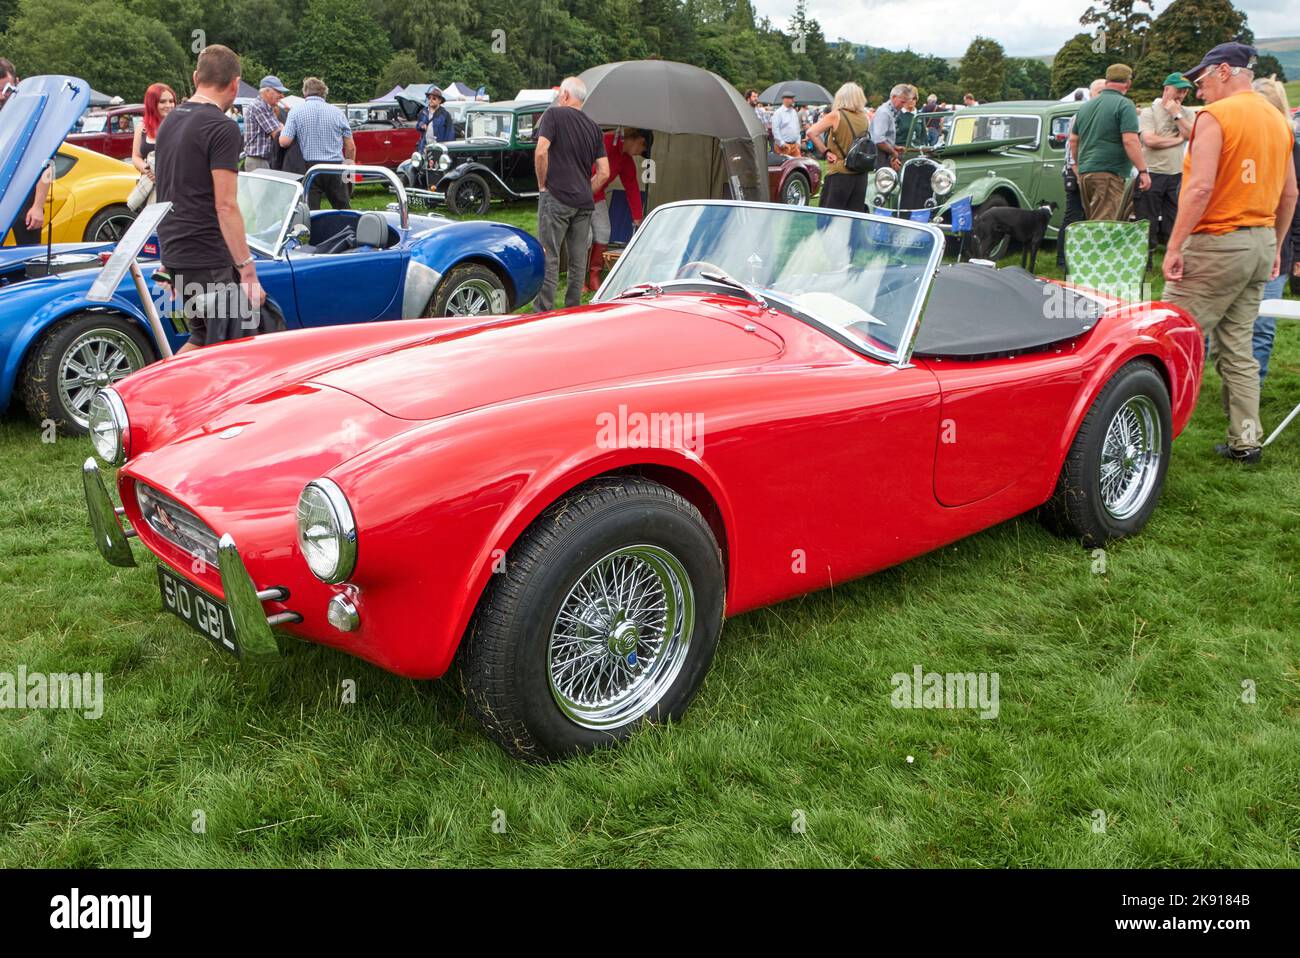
[89,196]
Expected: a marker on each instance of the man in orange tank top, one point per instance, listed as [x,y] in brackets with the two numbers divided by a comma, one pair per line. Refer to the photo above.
[1238,194]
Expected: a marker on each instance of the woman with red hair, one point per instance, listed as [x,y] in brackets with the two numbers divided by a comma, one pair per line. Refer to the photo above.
[159,100]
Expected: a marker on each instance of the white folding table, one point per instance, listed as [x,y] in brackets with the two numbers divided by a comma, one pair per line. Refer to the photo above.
[1281,309]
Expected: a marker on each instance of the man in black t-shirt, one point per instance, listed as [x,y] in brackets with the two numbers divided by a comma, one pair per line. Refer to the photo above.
[569,143]
[204,245]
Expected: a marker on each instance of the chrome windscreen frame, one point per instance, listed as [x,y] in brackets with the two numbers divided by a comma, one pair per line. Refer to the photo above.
[900,357]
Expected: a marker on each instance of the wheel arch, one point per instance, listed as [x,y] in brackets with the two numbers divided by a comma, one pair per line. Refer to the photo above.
[486,261]
[43,319]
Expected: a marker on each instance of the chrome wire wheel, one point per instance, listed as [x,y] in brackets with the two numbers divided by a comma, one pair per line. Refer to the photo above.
[1130,457]
[95,359]
[796,191]
[621,636]
[475,297]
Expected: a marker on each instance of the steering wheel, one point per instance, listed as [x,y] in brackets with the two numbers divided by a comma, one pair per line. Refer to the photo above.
[699,265]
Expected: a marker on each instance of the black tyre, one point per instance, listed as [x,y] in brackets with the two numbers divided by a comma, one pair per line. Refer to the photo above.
[470,290]
[1002,247]
[76,358]
[607,615]
[1115,470]
[796,191]
[469,194]
[109,224]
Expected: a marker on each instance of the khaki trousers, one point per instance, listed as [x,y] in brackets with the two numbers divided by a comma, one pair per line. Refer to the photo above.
[1102,194]
[1222,285]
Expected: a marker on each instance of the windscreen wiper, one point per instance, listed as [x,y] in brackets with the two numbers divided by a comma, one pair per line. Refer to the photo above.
[726,279]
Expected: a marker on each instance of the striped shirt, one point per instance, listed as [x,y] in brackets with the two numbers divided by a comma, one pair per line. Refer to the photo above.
[260,125]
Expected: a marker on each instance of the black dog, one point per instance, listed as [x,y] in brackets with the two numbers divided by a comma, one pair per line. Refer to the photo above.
[1026,227]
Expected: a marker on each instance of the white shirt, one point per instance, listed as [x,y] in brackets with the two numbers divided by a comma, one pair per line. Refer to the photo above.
[785,125]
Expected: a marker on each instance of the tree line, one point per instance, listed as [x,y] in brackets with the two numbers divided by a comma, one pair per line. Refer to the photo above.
[362,48]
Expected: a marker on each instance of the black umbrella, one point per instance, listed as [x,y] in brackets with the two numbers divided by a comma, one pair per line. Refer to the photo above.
[804,92]
[667,96]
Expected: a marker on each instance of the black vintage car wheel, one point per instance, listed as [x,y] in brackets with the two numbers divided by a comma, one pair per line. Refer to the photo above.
[109,224]
[796,190]
[469,194]
[76,358]
[1112,477]
[607,616]
[470,290]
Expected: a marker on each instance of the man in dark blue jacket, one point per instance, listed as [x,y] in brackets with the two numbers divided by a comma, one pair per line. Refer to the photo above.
[434,121]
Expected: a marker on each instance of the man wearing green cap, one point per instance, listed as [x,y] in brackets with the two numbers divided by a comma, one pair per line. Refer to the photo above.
[1164,128]
[1104,143]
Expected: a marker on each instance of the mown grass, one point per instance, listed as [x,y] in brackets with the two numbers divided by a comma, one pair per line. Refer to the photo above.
[1121,695]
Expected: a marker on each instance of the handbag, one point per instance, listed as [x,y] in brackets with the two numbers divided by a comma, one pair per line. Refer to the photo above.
[862,152]
[142,192]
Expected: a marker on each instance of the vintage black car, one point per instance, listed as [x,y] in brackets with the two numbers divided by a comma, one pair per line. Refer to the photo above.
[493,162]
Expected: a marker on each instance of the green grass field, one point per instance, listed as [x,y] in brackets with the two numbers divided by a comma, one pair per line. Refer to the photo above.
[1122,740]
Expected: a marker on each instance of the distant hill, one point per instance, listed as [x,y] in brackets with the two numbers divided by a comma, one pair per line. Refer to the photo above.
[1287,51]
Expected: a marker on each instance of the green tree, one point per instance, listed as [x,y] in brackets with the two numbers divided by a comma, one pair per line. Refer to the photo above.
[116,51]
[1076,65]
[338,42]
[984,69]
[1182,34]
[1027,79]
[402,69]
[1121,28]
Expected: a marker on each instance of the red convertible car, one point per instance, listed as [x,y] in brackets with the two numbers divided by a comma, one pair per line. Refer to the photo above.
[762,401]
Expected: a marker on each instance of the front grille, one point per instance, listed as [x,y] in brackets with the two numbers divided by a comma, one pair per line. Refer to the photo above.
[914,188]
[177,524]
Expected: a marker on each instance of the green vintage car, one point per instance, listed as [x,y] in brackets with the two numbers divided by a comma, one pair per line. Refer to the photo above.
[998,154]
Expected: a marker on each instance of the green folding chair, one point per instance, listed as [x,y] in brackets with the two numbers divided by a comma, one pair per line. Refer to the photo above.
[1107,255]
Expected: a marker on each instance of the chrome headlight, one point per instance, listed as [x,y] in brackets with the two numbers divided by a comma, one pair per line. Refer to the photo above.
[108,427]
[943,181]
[444,161]
[327,532]
[885,180]
[416,160]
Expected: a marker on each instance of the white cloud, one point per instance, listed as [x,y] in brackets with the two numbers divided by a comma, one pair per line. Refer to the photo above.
[946,27]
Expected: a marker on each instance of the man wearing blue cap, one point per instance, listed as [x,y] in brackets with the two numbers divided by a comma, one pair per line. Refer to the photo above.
[1238,195]
[261,123]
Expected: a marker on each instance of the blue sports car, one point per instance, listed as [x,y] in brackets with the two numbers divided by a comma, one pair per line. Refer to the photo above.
[320,268]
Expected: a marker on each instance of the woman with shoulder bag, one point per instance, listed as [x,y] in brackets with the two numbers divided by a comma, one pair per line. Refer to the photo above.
[843,188]
[159,100]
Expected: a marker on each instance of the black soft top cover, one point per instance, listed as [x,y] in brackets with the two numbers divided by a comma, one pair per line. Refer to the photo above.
[980,311]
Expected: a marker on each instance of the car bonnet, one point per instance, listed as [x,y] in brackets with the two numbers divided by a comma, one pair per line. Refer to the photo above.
[32,125]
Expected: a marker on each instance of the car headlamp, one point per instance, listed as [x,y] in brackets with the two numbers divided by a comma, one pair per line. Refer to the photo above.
[327,531]
[444,160]
[417,160]
[108,427]
[885,180]
[943,181]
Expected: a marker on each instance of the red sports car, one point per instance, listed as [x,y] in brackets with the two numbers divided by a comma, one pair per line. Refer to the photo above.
[754,407]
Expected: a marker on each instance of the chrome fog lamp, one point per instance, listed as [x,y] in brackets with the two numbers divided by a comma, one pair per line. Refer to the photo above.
[108,427]
[943,181]
[327,531]
[886,179]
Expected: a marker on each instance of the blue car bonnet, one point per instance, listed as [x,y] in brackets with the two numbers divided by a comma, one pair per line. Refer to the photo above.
[32,125]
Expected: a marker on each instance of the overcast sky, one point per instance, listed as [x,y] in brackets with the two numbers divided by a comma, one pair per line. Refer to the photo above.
[945,27]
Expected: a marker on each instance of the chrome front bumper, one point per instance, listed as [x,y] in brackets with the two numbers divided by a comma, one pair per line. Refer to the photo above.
[243,599]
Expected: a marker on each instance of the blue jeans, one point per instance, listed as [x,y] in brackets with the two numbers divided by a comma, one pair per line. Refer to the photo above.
[1266,327]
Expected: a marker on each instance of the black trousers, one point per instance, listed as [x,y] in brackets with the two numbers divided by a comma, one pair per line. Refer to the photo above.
[1074,212]
[22,235]
[331,187]
[844,191]
[1159,205]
